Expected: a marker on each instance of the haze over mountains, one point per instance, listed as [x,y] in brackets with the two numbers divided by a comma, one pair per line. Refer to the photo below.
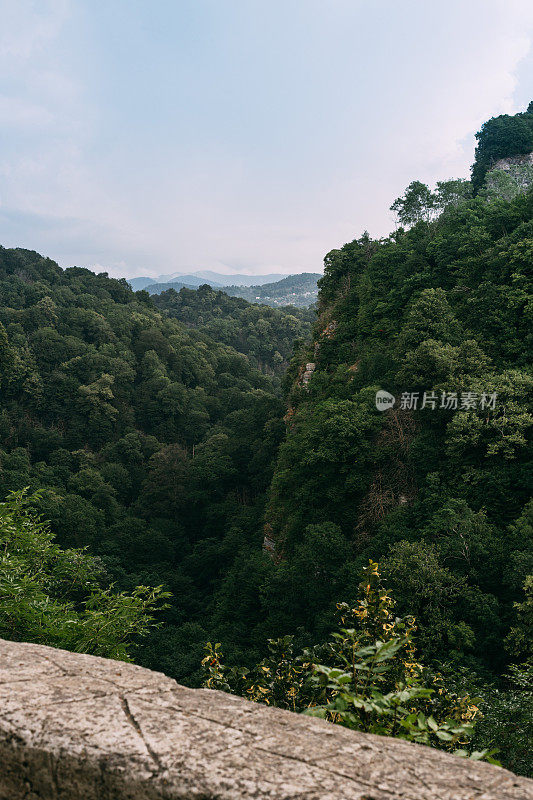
[215,279]
[297,290]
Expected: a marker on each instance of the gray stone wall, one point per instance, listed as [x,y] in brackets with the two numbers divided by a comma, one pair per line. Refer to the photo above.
[76,727]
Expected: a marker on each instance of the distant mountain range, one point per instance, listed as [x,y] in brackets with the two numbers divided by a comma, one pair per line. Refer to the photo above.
[193,279]
[294,290]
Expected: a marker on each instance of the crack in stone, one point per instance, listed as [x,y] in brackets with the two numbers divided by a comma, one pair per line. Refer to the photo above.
[55,703]
[49,681]
[358,782]
[415,773]
[256,739]
[195,715]
[133,722]
[60,667]
[97,677]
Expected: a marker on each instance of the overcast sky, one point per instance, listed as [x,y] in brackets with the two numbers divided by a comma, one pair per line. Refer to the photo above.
[239,135]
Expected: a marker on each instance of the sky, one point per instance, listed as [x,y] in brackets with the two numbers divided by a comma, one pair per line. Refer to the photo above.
[254,136]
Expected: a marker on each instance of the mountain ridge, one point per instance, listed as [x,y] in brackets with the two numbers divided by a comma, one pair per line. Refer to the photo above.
[215,279]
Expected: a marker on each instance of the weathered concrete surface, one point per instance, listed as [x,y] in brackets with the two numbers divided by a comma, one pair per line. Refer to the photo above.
[75,727]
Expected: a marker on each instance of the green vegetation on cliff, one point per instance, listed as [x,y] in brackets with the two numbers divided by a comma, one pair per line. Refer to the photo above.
[502,137]
[264,334]
[438,486]
[440,494]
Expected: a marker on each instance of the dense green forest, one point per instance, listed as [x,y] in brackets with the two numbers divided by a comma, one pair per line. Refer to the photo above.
[157,288]
[150,443]
[264,334]
[440,492]
[156,434]
[297,290]
[437,487]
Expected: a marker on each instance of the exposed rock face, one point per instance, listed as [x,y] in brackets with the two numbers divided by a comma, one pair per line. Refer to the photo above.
[513,161]
[519,176]
[76,727]
[309,369]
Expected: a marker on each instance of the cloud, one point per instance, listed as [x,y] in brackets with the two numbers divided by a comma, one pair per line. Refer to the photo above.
[18,113]
[255,141]
[28,25]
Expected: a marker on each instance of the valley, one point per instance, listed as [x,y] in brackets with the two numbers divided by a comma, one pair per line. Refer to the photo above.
[222,450]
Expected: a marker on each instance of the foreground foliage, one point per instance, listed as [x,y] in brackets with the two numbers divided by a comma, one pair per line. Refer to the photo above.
[365,677]
[58,597]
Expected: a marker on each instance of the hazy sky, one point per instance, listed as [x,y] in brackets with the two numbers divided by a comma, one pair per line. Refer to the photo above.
[239,135]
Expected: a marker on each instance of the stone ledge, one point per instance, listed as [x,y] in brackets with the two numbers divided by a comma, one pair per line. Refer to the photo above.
[76,727]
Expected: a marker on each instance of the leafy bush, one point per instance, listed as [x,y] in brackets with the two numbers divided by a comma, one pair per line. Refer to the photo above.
[55,597]
[366,677]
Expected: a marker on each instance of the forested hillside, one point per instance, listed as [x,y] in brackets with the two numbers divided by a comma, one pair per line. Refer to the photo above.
[205,276]
[157,288]
[440,492]
[297,290]
[149,443]
[264,334]
[436,485]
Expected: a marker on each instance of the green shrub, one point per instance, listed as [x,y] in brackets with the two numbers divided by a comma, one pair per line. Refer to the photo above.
[365,677]
[56,597]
